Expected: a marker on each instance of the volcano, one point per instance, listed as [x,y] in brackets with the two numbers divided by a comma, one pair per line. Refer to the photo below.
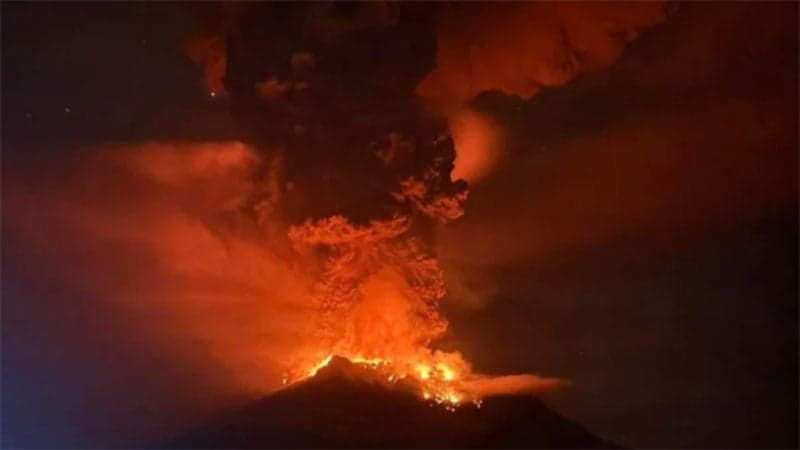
[347,405]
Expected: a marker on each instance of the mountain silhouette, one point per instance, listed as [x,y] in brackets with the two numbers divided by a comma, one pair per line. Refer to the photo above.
[349,406]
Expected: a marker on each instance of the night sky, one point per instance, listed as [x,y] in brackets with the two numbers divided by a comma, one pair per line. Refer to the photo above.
[637,236]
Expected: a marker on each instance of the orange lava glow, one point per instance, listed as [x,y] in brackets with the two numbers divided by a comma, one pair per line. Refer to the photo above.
[440,383]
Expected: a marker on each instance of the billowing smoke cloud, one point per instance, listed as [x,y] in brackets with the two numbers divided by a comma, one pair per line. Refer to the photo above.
[541,45]
[664,165]
[178,236]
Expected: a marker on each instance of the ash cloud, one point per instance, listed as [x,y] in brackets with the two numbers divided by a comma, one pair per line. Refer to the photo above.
[632,181]
[186,300]
[658,146]
[542,45]
[521,48]
[350,105]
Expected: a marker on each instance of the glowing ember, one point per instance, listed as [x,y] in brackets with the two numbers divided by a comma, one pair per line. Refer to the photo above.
[370,362]
[424,372]
[447,374]
[320,365]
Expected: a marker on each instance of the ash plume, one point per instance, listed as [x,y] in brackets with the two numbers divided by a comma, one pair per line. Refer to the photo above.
[542,45]
[367,176]
[184,255]
[364,211]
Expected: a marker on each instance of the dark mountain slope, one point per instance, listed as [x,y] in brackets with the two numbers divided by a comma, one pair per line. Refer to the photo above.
[347,406]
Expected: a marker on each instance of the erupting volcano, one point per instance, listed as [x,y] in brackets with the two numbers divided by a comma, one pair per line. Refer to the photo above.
[399,224]
[351,405]
[377,292]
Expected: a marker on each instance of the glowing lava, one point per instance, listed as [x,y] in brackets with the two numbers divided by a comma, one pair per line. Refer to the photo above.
[320,365]
[438,383]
